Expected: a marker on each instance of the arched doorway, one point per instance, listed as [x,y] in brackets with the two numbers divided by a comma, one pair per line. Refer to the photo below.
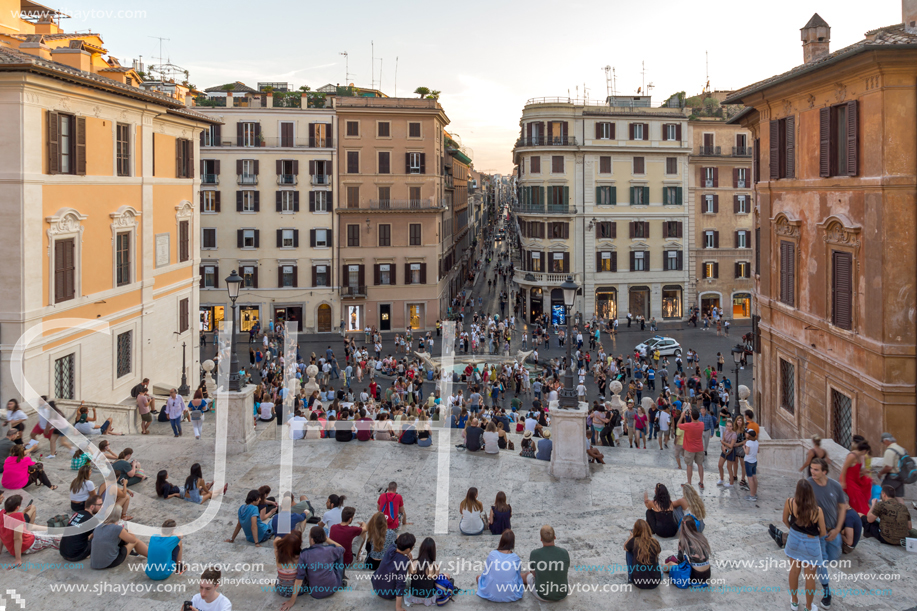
[323,324]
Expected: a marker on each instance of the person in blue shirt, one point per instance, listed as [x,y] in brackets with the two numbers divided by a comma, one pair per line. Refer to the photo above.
[651,378]
[501,581]
[164,553]
[710,425]
[256,531]
[278,522]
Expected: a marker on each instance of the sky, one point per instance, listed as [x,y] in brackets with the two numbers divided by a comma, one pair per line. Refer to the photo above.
[487,58]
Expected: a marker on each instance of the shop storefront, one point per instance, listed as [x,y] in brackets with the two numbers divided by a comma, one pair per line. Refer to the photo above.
[537,303]
[415,315]
[211,317]
[249,315]
[606,302]
[671,301]
[708,301]
[289,314]
[741,305]
[558,312]
[353,318]
[640,301]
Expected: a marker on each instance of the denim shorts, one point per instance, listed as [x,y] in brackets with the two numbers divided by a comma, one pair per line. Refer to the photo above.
[803,548]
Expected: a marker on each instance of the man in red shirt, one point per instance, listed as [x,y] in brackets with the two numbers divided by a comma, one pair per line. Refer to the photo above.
[364,427]
[15,533]
[373,389]
[392,505]
[343,534]
[693,443]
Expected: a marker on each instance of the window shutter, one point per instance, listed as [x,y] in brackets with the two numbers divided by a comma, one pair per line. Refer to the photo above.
[423,273]
[598,261]
[791,147]
[716,239]
[423,163]
[257,238]
[238,201]
[631,199]
[563,131]
[716,177]
[345,277]
[630,127]
[189,147]
[614,230]
[295,201]
[257,197]
[678,137]
[296,238]
[614,261]
[407,273]
[239,137]
[311,201]
[598,195]
[330,242]
[716,270]
[679,262]
[311,167]
[775,150]
[295,275]
[216,200]
[550,131]
[329,134]
[566,263]
[407,163]
[362,279]
[852,138]
[279,167]
[53,143]
[566,227]
[598,130]
[377,275]
[239,238]
[312,135]
[735,178]
[738,272]
[646,229]
[257,165]
[81,146]
[678,196]
[279,276]
[216,276]
[788,275]
[200,272]
[238,167]
[631,225]
[255,278]
[716,203]
[646,260]
[279,198]
[736,241]
[201,163]
[824,141]
[528,132]
[312,244]
[842,285]
[735,204]
[314,277]
[646,195]
[633,260]
[257,131]
[541,198]
[217,135]
[646,131]
[216,167]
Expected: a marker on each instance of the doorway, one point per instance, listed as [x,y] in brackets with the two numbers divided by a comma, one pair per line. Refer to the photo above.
[640,301]
[741,305]
[323,324]
[708,302]
[385,317]
[288,315]
[537,304]
[415,315]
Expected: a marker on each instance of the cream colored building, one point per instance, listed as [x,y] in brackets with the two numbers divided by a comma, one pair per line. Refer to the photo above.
[602,197]
[267,200]
[721,190]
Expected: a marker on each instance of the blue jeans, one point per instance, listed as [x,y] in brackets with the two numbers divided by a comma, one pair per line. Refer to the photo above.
[176,425]
[830,550]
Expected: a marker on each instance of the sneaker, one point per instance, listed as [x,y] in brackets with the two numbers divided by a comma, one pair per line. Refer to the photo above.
[794,606]
[51,456]
[751,498]
[826,601]
[813,607]
[743,485]
[720,482]
[727,485]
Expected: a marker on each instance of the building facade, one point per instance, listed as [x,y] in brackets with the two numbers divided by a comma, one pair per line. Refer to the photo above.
[602,196]
[394,232]
[99,204]
[721,192]
[267,211]
[458,183]
[836,263]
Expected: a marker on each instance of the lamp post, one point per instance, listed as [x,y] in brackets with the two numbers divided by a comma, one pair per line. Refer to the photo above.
[737,353]
[183,390]
[568,393]
[233,284]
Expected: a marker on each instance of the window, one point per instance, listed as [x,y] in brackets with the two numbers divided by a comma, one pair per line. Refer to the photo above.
[353,197]
[384,129]
[558,262]
[249,275]
[184,315]
[208,238]
[638,196]
[123,149]
[783,148]
[557,164]
[184,241]
[414,194]
[671,196]
[415,163]
[123,259]
[287,238]
[287,169]
[741,204]
[605,131]
[741,178]
[353,162]
[248,133]
[385,197]
[711,270]
[210,171]
[536,165]
[322,201]
[639,165]
[65,377]
[711,239]
[124,342]
[605,165]
[210,201]
[184,158]
[788,273]
[287,276]
[670,132]
[415,276]
[322,239]
[606,261]
[211,136]
[671,165]
[415,235]
[385,274]
[743,269]
[320,277]
[842,289]
[66,144]
[209,277]
[640,230]
[64,270]
[711,176]
[710,204]
[385,235]
[248,201]
[638,261]
[413,130]
[606,196]
[353,235]
[249,238]
[742,238]
[385,165]
[639,131]
[557,231]
[787,386]
[287,201]
[536,262]
[838,140]
[248,171]
[672,260]
[672,229]
[742,144]
[353,128]
[605,229]
[842,422]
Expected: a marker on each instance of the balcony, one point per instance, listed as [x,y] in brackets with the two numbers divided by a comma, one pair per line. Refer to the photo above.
[321,179]
[210,179]
[353,292]
[544,209]
[710,151]
[287,179]
[708,184]
[741,151]
[540,277]
[450,181]
[274,142]
[247,179]
[546,141]
[405,204]
[740,184]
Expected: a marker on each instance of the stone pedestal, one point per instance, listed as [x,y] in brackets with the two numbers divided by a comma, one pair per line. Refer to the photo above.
[568,432]
[240,433]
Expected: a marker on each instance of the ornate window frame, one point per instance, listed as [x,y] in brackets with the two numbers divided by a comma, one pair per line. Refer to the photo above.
[66,223]
[785,228]
[842,235]
[124,220]
[184,211]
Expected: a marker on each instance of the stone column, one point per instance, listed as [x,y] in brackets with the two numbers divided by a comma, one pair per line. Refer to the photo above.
[568,432]
[240,433]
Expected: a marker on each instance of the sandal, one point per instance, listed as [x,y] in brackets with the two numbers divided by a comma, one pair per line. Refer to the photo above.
[701,485]
[53,488]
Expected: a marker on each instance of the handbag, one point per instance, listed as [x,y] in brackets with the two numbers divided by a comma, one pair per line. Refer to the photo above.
[740,452]
[59,521]
[680,574]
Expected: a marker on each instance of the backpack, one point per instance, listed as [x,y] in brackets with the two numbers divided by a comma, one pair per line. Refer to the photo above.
[389,511]
[907,470]
[445,590]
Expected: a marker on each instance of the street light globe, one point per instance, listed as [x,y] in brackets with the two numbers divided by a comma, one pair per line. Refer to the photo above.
[233,284]
[570,288]
[737,353]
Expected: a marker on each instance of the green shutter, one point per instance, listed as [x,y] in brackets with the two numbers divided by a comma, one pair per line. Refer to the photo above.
[646,195]
[566,196]
[598,195]
[632,196]
[678,200]
[613,196]
[541,199]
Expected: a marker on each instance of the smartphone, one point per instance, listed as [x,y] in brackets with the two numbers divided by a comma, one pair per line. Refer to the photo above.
[187,606]
[30,503]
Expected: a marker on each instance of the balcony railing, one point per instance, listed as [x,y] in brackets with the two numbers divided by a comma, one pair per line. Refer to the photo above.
[741,151]
[708,184]
[248,179]
[287,179]
[740,184]
[404,204]
[321,179]
[210,179]
[546,141]
[709,150]
[274,142]
[352,292]
[540,277]
[542,209]
[450,181]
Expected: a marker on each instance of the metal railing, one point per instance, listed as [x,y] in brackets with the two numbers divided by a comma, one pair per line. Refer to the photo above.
[741,184]
[543,209]
[287,179]
[353,291]
[741,151]
[321,179]
[540,277]
[709,150]
[247,179]
[274,142]
[404,204]
[547,141]
[210,179]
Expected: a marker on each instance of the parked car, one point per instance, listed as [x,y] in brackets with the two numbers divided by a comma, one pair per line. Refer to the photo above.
[665,345]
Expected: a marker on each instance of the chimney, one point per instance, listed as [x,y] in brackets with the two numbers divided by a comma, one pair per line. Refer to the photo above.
[815,38]
[75,57]
[909,15]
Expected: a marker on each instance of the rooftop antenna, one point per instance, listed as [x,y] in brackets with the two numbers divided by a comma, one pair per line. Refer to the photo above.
[607,69]
[614,82]
[707,61]
[643,73]
[346,67]
[396,76]
[585,93]
[380,73]
[160,39]
[373,65]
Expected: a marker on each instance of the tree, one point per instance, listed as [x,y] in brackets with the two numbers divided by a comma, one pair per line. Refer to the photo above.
[305,88]
[434,95]
[422,92]
[228,87]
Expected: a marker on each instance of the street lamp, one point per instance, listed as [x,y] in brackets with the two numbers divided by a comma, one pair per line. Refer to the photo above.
[568,393]
[737,353]
[233,284]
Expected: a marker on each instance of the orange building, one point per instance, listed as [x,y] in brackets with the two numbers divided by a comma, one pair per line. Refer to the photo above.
[836,212]
[99,218]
